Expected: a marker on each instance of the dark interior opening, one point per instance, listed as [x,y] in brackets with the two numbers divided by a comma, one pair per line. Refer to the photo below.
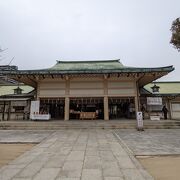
[54,107]
[79,105]
[121,108]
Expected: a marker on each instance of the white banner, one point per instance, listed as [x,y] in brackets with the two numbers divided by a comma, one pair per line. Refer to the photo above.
[34,108]
[154,101]
[41,116]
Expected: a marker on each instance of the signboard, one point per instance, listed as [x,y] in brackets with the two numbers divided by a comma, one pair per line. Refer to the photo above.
[34,108]
[175,107]
[154,101]
[41,116]
[139,117]
[18,103]
[155,118]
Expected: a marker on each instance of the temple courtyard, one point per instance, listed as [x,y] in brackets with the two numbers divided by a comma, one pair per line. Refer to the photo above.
[85,154]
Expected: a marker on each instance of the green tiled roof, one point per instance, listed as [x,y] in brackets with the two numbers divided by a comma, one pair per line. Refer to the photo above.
[9,89]
[165,87]
[87,65]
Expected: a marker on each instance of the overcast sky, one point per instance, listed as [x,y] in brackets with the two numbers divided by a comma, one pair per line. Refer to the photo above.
[39,32]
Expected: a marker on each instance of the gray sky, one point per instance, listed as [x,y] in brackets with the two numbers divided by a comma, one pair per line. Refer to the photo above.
[39,32]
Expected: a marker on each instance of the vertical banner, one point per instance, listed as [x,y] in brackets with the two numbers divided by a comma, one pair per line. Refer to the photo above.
[139,117]
[34,108]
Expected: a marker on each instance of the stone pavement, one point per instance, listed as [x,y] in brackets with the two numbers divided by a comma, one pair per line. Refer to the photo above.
[23,136]
[152,141]
[76,154]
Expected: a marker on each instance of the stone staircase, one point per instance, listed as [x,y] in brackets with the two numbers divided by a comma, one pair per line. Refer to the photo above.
[162,124]
[85,124]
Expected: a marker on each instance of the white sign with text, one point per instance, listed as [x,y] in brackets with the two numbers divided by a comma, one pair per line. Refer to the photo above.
[34,108]
[154,101]
[139,120]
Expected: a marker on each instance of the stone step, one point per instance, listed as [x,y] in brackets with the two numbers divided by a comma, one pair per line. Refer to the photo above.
[55,125]
[87,127]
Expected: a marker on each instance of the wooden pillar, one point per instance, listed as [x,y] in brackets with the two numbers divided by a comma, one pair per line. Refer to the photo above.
[106,108]
[37,91]
[136,104]
[169,109]
[9,111]
[136,98]
[67,100]
[66,113]
[106,105]
[3,115]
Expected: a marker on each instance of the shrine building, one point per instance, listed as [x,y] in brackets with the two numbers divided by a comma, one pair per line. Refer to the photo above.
[89,89]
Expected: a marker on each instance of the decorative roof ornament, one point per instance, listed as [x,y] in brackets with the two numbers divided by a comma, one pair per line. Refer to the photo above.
[155,88]
[18,90]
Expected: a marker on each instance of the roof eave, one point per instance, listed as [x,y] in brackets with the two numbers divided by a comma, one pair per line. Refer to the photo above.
[90,71]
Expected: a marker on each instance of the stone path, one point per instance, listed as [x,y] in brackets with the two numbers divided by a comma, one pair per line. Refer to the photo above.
[88,154]
[22,136]
[152,141]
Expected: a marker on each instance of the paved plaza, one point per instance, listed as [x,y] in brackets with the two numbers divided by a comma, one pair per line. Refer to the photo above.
[73,154]
[23,136]
[151,141]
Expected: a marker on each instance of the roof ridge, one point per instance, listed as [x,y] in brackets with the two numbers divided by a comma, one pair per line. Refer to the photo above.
[88,61]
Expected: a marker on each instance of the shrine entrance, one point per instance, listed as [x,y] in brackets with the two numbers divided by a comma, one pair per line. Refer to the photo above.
[121,108]
[86,108]
[54,107]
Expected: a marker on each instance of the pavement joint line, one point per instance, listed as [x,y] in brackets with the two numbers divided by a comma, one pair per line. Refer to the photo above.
[132,157]
[123,176]
[102,170]
[84,156]
[157,155]
[24,142]
[123,144]
[47,137]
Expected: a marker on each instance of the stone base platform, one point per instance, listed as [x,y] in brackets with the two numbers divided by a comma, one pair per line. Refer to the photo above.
[87,124]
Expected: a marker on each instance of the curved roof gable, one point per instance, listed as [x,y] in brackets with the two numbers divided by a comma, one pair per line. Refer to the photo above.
[144,75]
[87,65]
